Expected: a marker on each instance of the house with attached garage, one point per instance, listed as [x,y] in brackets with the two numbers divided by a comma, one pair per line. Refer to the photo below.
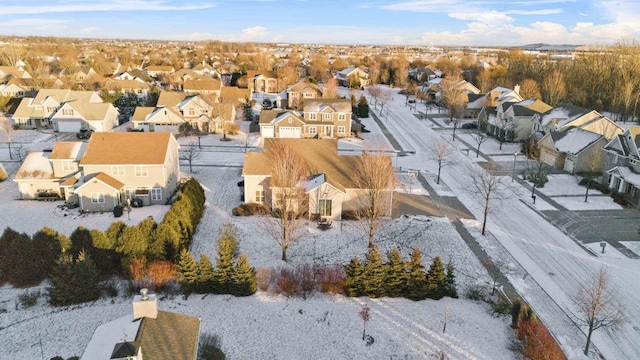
[262,81]
[353,77]
[320,118]
[574,151]
[105,171]
[298,93]
[622,165]
[330,188]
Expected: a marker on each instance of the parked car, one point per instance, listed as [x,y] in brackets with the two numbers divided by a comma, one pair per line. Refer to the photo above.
[84,134]
[411,101]
[470,125]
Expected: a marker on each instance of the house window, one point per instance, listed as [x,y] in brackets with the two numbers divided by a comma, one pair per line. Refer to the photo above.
[97,198]
[192,112]
[312,130]
[129,193]
[341,129]
[308,95]
[141,170]
[67,166]
[67,111]
[312,116]
[342,117]
[117,170]
[633,162]
[51,109]
[260,196]
[324,207]
[326,116]
[156,193]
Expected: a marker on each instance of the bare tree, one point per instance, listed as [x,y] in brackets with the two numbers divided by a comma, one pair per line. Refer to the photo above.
[373,175]
[489,185]
[330,90]
[375,91]
[20,152]
[365,314]
[442,150]
[289,204]
[12,55]
[529,89]
[248,138]
[554,87]
[189,153]
[7,129]
[454,99]
[596,307]
[480,138]
[384,98]
[592,169]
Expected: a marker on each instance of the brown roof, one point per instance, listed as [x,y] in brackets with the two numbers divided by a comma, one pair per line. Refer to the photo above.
[321,156]
[169,336]
[232,93]
[202,84]
[141,113]
[126,148]
[114,183]
[224,110]
[71,150]
[170,98]
[253,73]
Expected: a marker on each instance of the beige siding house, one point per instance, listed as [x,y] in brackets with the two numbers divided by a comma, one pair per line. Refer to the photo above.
[330,189]
[320,119]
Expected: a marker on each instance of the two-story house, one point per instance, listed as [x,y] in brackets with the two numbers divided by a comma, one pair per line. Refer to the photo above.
[320,118]
[622,165]
[353,76]
[262,81]
[298,93]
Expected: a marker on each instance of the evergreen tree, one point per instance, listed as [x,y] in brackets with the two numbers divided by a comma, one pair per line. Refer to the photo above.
[224,264]
[187,270]
[16,260]
[396,276]
[450,281]
[169,240]
[435,279]
[230,231]
[114,232]
[354,281]
[206,274]
[132,244]
[107,260]
[516,306]
[374,274]
[363,107]
[417,279]
[74,281]
[244,277]
[47,247]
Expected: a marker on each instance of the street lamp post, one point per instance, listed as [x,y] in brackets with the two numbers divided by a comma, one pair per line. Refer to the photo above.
[515,157]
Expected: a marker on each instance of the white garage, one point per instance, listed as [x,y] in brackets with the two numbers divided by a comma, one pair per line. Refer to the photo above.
[290,132]
[267,131]
[68,125]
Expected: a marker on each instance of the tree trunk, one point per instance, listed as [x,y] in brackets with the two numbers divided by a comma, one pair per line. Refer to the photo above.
[586,194]
[586,347]
[478,151]
[10,154]
[284,253]
[439,167]
[486,212]
[364,331]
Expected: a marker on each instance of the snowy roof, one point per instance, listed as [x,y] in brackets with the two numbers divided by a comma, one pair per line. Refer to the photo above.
[314,181]
[628,175]
[108,335]
[72,150]
[35,166]
[576,140]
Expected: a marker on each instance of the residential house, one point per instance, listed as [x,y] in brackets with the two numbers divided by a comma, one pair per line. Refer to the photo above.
[150,333]
[353,77]
[235,95]
[128,86]
[73,116]
[320,118]
[204,86]
[330,189]
[262,81]
[50,174]
[36,112]
[205,69]
[119,165]
[177,79]
[514,121]
[9,72]
[84,73]
[302,90]
[135,74]
[159,70]
[566,116]
[574,151]
[15,88]
[622,165]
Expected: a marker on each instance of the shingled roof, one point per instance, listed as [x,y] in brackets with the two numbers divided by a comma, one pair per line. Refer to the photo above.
[127,148]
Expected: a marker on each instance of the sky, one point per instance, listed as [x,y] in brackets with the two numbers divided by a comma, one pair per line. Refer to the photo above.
[383,22]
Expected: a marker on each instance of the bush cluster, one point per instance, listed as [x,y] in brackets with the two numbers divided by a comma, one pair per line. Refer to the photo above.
[396,277]
[537,341]
[232,274]
[249,209]
[302,280]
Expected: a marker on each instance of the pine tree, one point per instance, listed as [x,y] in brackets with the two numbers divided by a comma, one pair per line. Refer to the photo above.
[435,279]
[47,247]
[417,278]
[16,259]
[374,274]
[206,275]
[244,277]
[363,107]
[73,281]
[450,281]
[187,270]
[87,279]
[59,285]
[224,264]
[396,274]
[354,282]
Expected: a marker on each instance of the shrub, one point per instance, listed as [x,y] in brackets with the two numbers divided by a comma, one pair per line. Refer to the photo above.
[231,129]
[209,347]
[249,209]
[29,298]
[349,215]
[330,279]
[538,343]
[477,293]
[161,274]
[3,175]
[266,278]
[287,283]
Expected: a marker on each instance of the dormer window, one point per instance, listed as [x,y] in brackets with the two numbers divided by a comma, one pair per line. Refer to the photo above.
[312,116]
[326,116]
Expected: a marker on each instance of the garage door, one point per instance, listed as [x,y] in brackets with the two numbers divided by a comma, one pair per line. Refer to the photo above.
[290,132]
[267,131]
[69,126]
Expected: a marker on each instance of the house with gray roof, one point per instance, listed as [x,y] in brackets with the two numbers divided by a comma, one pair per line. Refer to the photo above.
[574,151]
[320,118]
[622,165]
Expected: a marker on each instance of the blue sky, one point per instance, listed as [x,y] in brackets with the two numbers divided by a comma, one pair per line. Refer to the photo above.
[398,22]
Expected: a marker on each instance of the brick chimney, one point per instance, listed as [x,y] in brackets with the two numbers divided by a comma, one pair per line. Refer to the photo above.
[145,305]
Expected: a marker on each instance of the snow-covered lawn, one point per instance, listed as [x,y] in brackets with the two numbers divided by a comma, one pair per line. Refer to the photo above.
[323,327]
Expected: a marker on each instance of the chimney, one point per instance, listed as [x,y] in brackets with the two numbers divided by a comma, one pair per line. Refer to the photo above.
[145,305]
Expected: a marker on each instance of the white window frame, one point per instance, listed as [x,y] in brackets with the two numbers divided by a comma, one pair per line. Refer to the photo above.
[67,165]
[342,117]
[117,170]
[97,198]
[342,129]
[129,192]
[141,170]
[313,130]
[326,116]
[156,193]
[322,205]
[68,112]
[312,116]
[260,196]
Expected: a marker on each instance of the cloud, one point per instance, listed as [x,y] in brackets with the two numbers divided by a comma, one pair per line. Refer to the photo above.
[254,33]
[534,12]
[113,5]
[89,29]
